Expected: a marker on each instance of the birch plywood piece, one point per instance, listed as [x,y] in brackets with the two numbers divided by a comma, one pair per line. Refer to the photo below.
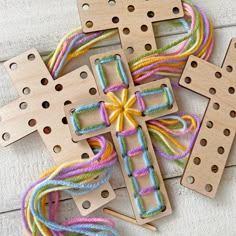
[132,18]
[135,106]
[40,107]
[210,153]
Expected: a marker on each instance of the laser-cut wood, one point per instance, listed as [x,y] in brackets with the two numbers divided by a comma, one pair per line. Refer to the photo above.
[132,18]
[209,155]
[25,115]
[95,118]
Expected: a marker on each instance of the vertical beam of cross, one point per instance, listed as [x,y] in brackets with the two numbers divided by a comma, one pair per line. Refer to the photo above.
[210,153]
[132,18]
[40,107]
[122,110]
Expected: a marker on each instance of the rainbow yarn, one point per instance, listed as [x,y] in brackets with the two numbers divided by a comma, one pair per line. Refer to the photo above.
[76,178]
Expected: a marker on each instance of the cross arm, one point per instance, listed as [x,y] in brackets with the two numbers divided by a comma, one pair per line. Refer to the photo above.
[202,77]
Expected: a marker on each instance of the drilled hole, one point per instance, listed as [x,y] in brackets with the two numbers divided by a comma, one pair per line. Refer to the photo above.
[209,124]
[126,31]
[218,75]
[32,122]
[150,14]
[47,130]
[215,169]
[85,156]
[163,209]
[190,179]
[6,136]
[221,150]
[194,64]
[93,91]
[131,8]
[13,66]
[227,132]
[144,28]
[175,10]
[229,68]
[203,142]
[85,7]
[130,50]
[44,81]
[31,57]
[105,194]
[216,106]
[57,149]
[89,24]
[208,188]
[26,91]
[58,87]
[212,91]
[64,121]
[112,2]
[83,75]
[231,90]
[188,80]
[23,106]
[86,205]
[148,47]
[197,161]
[115,20]
[67,102]
[45,105]
[233,114]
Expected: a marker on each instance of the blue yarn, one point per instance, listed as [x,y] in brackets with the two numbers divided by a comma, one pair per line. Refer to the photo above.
[84,228]
[66,54]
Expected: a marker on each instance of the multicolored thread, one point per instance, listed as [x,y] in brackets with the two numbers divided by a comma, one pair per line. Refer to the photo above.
[77,178]
[121,110]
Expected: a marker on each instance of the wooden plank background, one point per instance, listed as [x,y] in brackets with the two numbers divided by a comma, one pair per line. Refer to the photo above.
[25,24]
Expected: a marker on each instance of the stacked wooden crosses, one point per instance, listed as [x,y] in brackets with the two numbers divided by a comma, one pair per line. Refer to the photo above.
[112,104]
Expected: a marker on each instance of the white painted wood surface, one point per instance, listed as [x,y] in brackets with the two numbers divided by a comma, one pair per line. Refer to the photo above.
[25,24]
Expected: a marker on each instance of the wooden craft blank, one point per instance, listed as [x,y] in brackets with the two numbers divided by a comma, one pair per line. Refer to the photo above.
[208,158]
[93,119]
[132,18]
[40,107]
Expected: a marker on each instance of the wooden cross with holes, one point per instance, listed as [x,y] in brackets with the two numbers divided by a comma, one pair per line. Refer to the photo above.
[132,18]
[208,158]
[122,110]
[40,107]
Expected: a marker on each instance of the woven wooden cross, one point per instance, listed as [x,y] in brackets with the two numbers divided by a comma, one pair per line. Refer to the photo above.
[40,107]
[132,18]
[208,158]
[122,110]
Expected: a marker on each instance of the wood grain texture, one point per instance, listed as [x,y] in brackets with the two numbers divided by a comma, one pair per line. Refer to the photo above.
[22,162]
[193,214]
[25,24]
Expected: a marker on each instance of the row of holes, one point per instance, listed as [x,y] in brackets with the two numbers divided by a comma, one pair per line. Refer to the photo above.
[197,161]
[218,75]
[47,130]
[208,187]
[131,8]
[87,204]
[147,47]
[13,66]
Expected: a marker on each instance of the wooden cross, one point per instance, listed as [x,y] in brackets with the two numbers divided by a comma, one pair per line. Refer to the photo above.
[209,155]
[132,18]
[122,110]
[40,107]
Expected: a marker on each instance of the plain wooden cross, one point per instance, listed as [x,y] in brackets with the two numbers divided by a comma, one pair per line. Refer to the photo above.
[122,110]
[40,107]
[132,18]
[210,153]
